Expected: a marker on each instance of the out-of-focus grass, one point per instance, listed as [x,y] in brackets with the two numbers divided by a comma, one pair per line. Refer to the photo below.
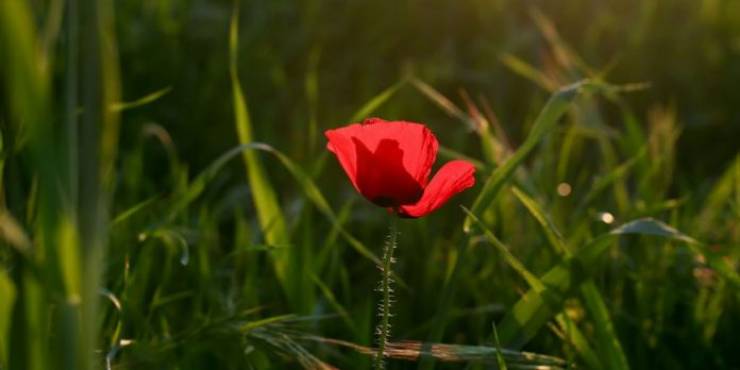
[603,232]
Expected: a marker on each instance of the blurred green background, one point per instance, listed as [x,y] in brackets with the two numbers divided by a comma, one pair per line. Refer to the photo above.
[131,236]
[687,50]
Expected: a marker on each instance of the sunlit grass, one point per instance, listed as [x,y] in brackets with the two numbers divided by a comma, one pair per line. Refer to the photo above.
[585,242]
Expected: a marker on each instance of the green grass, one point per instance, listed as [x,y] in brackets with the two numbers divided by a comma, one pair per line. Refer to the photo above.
[602,232]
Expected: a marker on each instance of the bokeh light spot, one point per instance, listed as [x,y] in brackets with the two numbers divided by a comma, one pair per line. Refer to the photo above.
[564,189]
[606,217]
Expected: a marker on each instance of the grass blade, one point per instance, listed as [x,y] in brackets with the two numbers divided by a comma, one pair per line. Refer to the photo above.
[25,74]
[527,71]
[551,232]
[722,190]
[535,308]
[332,299]
[572,332]
[514,262]
[376,102]
[7,291]
[577,339]
[86,237]
[144,100]
[500,361]
[128,213]
[606,336]
[551,113]
[198,185]
[441,101]
[268,211]
[650,226]
[612,176]
[610,347]
[317,198]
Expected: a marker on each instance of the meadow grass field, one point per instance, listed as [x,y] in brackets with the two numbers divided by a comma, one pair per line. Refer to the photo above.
[167,200]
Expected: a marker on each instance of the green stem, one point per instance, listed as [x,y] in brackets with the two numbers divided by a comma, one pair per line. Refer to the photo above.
[384,327]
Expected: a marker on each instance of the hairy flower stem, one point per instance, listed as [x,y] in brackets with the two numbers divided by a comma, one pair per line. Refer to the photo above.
[384,327]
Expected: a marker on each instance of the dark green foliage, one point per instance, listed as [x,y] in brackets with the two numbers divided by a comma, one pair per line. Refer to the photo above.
[603,232]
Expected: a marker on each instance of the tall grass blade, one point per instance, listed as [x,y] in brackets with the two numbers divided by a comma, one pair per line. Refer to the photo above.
[573,335]
[25,74]
[500,360]
[510,259]
[268,211]
[610,347]
[606,336]
[7,292]
[548,226]
[317,198]
[549,116]
[198,185]
[98,150]
[722,190]
[535,308]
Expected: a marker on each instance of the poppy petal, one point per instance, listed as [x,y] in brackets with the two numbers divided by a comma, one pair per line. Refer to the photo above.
[344,149]
[454,177]
[388,162]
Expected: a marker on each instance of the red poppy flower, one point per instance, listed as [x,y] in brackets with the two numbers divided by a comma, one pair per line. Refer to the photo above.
[389,163]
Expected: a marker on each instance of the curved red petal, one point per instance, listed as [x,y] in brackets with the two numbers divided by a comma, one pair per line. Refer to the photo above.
[344,148]
[454,177]
[387,161]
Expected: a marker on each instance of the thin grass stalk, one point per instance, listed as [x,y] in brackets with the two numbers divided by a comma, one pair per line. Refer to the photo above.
[28,79]
[386,291]
[71,97]
[269,214]
[447,296]
[97,148]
